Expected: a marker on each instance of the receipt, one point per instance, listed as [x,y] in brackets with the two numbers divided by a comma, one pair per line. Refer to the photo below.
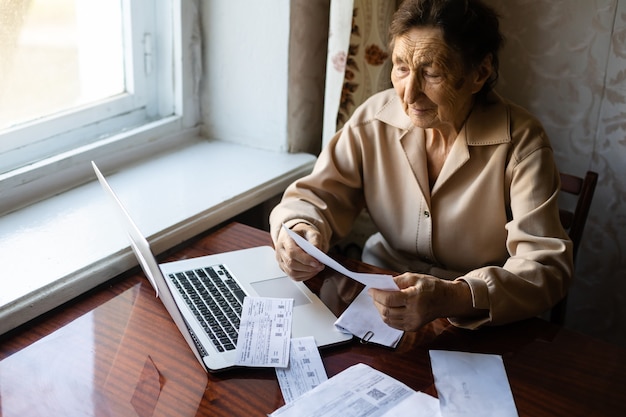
[264,332]
[379,281]
[305,370]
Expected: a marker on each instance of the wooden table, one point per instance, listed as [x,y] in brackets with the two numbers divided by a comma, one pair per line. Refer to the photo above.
[115,352]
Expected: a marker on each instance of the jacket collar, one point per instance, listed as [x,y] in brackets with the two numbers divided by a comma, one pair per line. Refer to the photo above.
[487,124]
[393,114]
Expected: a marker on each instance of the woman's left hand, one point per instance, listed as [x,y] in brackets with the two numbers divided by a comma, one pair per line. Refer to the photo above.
[422,299]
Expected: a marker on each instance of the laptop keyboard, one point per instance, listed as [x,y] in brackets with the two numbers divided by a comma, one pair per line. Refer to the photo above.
[215,298]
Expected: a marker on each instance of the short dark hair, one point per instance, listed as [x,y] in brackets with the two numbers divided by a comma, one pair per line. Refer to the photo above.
[469,26]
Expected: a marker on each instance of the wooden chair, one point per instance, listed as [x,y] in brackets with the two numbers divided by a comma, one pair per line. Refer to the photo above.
[574,222]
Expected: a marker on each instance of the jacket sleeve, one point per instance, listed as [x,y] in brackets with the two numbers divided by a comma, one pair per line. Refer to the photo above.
[538,272]
[330,197]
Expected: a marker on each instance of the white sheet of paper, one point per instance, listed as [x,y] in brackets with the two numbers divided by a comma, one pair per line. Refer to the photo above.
[471,384]
[417,405]
[363,320]
[264,332]
[379,281]
[358,391]
[305,370]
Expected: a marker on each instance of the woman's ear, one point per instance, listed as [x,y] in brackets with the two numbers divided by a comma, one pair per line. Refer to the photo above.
[482,73]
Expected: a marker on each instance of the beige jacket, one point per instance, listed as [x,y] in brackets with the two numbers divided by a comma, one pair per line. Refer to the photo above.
[490,219]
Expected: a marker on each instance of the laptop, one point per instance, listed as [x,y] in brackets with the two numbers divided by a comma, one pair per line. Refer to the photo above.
[202,294]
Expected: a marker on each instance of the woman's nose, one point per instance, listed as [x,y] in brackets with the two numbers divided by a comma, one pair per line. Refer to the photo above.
[413,88]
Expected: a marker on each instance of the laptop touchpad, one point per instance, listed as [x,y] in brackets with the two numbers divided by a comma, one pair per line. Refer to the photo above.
[282,287]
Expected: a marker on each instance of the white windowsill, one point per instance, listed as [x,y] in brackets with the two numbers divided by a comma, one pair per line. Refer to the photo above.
[70,243]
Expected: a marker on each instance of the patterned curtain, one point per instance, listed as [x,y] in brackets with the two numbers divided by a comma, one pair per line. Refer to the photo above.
[358,62]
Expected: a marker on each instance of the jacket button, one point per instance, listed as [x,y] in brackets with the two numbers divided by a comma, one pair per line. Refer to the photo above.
[426,213]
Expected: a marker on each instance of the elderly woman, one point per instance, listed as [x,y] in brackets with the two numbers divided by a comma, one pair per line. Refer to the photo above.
[460,183]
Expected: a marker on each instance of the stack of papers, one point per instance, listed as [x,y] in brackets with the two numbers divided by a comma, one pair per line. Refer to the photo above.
[468,384]
[265,341]
[360,391]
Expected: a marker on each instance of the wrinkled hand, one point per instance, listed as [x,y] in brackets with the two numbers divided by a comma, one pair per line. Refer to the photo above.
[421,299]
[296,263]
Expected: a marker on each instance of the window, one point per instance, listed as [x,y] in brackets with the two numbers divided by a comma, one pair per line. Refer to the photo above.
[58,56]
[77,72]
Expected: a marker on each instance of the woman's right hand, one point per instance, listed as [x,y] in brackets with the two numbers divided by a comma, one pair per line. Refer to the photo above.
[296,263]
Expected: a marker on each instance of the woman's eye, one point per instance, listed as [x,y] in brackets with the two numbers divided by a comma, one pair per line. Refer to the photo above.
[402,69]
[432,75]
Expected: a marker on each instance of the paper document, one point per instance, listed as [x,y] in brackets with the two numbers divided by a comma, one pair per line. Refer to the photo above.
[305,370]
[418,404]
[363,320]
[379,281]
[264,332]
[358,391]
[471,384]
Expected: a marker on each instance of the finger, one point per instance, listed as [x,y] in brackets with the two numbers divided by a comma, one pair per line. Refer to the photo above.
[295,268]
[294,254]
[393,316]
[298,271]
[388,298]
[294,261]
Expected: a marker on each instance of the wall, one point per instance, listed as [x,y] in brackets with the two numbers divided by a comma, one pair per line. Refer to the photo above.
[565,60]
[245,71]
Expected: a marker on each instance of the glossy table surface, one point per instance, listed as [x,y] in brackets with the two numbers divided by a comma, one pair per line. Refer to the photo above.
[115,352]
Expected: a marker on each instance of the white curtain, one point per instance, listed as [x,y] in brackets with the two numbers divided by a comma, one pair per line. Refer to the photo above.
[338,44]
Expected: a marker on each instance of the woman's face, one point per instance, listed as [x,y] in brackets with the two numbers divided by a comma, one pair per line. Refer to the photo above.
[431,80]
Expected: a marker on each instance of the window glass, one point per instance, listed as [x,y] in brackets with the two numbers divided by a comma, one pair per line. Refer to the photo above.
[58,55]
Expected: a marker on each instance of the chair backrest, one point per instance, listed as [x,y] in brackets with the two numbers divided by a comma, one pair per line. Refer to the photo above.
[574,221]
